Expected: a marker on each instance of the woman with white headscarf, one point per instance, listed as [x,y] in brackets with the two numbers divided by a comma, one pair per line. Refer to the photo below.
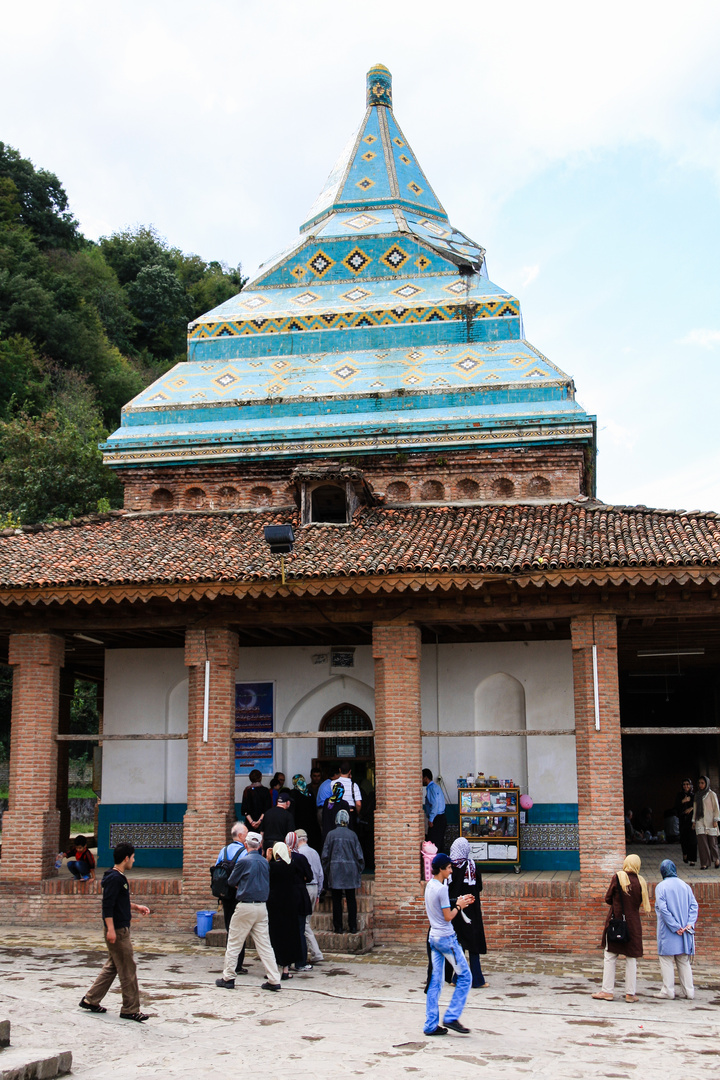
[626,895]
[705,823]
[468,923]
[282,909]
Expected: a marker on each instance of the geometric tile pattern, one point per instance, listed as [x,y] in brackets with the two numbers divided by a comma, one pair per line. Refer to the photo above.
[553,837]
[491,309]
[147,834]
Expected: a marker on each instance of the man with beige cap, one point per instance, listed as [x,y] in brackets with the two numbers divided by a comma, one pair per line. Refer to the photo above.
[251,878]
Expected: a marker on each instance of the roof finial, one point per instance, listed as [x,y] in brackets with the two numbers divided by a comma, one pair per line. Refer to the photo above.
[379,86]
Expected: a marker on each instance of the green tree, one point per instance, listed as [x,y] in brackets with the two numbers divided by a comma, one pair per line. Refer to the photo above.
[42,200]
[50,466]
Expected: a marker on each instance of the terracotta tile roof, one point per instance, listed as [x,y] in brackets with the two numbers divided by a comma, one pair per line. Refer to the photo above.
[186,547]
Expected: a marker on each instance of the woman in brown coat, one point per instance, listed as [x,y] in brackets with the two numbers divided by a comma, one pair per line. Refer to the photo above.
[626,895]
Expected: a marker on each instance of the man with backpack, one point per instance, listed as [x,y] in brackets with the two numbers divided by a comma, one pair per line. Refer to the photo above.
[219,875]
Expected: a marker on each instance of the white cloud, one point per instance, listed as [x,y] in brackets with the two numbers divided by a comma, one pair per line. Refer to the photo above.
[528,275]
[707,339]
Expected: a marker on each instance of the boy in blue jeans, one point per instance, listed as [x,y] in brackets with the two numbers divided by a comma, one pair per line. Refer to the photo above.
[444,945]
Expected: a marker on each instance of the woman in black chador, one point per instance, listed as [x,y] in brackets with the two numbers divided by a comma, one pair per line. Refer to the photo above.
[684,810]
[468,923]
[282,910]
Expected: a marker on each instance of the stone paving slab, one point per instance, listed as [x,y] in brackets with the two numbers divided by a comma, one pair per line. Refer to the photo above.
[364,1015]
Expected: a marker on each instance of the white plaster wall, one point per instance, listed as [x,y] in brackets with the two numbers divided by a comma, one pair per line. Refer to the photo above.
[145,691]
[304,692]
[544,669]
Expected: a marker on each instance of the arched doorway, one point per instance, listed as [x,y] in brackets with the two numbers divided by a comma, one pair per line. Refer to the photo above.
[360,751]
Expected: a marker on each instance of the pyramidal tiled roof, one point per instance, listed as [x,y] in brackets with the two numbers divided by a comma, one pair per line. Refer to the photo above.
[377,329]
[377,168]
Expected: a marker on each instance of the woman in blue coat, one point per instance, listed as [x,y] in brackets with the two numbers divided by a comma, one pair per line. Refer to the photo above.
[677,910]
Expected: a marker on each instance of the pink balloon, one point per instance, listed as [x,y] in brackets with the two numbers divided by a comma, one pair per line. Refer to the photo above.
[526,802]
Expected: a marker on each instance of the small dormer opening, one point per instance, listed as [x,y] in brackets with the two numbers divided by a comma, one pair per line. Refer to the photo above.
[329,504]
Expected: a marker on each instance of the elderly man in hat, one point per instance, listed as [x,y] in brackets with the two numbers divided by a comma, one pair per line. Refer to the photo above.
[251,878]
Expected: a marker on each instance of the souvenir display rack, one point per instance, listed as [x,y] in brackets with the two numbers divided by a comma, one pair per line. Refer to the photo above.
[490,820]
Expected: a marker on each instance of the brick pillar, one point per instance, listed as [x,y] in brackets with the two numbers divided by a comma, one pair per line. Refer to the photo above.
[399,826]
[31,826]
[67,689]
[598,753]
[211,764]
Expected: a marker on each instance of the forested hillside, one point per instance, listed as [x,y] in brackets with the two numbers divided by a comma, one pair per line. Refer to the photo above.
[84,326]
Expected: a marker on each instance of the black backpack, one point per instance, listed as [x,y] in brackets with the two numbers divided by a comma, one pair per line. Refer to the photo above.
[219,875]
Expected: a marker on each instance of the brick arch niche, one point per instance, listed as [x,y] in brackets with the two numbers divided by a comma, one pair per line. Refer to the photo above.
[538,485]
[195,498]
[503,488]
[228,497]
[261,496]
[468,489]
[162,499]
[432,489]
[398,491]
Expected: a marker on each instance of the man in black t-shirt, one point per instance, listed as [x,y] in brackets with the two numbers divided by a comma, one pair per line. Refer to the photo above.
[116,912]
[278,821]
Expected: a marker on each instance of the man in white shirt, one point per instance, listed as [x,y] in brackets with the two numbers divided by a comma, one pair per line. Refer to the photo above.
[352,794]
[444,945]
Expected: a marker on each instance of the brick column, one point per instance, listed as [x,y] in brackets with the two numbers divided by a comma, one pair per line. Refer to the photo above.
[31,826]
[211,764]
[67,689]
[399,828]
[598,753]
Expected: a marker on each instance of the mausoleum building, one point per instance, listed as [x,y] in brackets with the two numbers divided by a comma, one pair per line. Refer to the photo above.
[457,596]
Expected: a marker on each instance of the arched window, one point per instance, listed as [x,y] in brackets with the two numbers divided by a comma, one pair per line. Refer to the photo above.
[329,504]
[162,499]
[346,717]
[398,491]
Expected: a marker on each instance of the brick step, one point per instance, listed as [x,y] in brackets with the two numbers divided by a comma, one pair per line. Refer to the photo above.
[364,903]
[34,1064]
[216,939]
[326,938]
[322,921]
[345,943]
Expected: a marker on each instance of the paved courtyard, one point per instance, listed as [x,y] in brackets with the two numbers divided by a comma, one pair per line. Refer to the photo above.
[350,1016]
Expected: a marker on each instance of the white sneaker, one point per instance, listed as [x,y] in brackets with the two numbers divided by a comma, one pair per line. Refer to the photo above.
[664,994]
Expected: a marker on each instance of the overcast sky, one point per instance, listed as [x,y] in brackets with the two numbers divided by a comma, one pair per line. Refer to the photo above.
[578,143]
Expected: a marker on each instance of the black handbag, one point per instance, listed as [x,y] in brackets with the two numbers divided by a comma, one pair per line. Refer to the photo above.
[617,929]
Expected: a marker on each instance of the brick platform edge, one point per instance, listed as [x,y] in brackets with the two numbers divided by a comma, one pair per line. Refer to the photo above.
[538,916]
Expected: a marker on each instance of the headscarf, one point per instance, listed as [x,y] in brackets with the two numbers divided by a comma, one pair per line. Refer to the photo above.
[292,841]
[668,868]
[342,818]
[299,783]
[700,795]
[460,855]
[632,866]
[338,792]
[280,851]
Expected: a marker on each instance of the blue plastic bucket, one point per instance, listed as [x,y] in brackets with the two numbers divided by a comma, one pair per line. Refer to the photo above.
[204,922]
